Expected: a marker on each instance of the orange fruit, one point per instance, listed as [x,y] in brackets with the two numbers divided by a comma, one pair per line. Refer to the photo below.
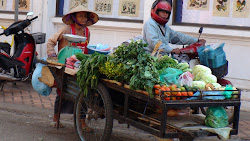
[157,91]
[164,86]
[178,94]
[184,94]
[162,91]
[167,98]
[167,94]
[157,86]
[172,87]
[190,93]
[173,98]
[167,91]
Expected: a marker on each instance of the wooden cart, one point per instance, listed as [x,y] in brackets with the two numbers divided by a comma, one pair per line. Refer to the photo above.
[111,101]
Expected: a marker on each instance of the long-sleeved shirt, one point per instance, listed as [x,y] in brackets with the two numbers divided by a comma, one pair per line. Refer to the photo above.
[58,37]
[152,33]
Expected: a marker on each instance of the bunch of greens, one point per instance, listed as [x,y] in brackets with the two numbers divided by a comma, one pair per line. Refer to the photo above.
[139,67]
[88,74]
[111,69]
[165,62]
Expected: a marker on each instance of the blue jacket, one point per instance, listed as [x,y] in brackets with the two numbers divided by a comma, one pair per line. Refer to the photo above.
[152,34]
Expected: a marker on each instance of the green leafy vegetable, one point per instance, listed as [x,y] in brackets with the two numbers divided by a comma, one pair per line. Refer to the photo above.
[88,74]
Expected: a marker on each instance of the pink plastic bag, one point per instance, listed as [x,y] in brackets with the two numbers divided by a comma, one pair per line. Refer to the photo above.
[186,79]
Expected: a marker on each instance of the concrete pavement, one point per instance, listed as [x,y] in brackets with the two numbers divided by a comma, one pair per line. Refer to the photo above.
[23,93]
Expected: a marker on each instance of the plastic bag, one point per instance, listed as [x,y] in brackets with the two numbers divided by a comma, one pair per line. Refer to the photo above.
[212,56]
[216,117]
[228,94]
[186,79]
[170,75]
[213,95]
[37,85]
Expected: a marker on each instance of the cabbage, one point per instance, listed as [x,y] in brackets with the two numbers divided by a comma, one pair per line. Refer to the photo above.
[209,78]
[199,84]
[200,68]
[216,85]
[199,75]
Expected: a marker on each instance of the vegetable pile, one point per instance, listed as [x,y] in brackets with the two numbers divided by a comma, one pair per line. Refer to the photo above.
[131,65]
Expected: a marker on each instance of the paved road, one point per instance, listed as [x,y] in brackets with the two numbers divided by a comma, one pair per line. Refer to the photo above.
[22,123]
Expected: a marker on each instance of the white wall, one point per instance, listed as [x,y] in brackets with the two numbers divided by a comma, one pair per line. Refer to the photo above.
[113,33]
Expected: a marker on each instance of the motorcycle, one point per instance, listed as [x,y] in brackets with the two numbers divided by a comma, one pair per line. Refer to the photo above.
[19,66]
[190,55]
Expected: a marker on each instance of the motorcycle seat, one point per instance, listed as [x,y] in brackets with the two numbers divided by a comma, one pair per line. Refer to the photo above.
[7,62]
[5,47]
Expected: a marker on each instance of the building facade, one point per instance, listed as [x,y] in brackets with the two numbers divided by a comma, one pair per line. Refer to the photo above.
[113,32]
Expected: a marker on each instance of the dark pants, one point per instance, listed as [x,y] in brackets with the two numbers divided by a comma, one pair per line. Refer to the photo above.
[67,107]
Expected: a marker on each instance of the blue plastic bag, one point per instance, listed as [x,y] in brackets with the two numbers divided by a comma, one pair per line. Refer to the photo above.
[226,93]
[170,75]
[212,56]
[213,95]
[37,85]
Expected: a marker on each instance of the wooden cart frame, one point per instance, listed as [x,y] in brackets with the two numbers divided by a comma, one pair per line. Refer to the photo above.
[124,114]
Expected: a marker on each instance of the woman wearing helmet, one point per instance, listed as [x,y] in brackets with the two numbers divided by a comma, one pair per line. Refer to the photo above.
[156,29]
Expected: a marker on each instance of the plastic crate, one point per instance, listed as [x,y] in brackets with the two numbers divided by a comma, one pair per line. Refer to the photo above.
[92,49]
[39,37]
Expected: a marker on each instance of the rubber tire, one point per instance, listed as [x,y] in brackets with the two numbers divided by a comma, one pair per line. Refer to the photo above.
[230,119]
[108,115]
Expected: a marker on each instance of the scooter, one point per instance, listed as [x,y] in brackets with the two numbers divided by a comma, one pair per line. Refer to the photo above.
[190,53]
[19,66]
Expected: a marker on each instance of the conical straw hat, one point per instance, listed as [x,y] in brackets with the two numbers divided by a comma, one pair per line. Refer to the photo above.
[92,17]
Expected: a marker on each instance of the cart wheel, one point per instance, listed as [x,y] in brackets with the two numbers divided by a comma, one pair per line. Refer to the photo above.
[97,111]
[229,110]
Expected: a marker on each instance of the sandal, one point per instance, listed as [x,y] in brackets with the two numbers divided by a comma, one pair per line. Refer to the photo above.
[54,124]
[87,129]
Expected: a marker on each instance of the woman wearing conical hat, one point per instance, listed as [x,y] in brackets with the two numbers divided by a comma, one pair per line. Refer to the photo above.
[76,22]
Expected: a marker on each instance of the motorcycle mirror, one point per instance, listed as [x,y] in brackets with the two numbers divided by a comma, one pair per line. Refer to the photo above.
[29,14]
[201,29]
